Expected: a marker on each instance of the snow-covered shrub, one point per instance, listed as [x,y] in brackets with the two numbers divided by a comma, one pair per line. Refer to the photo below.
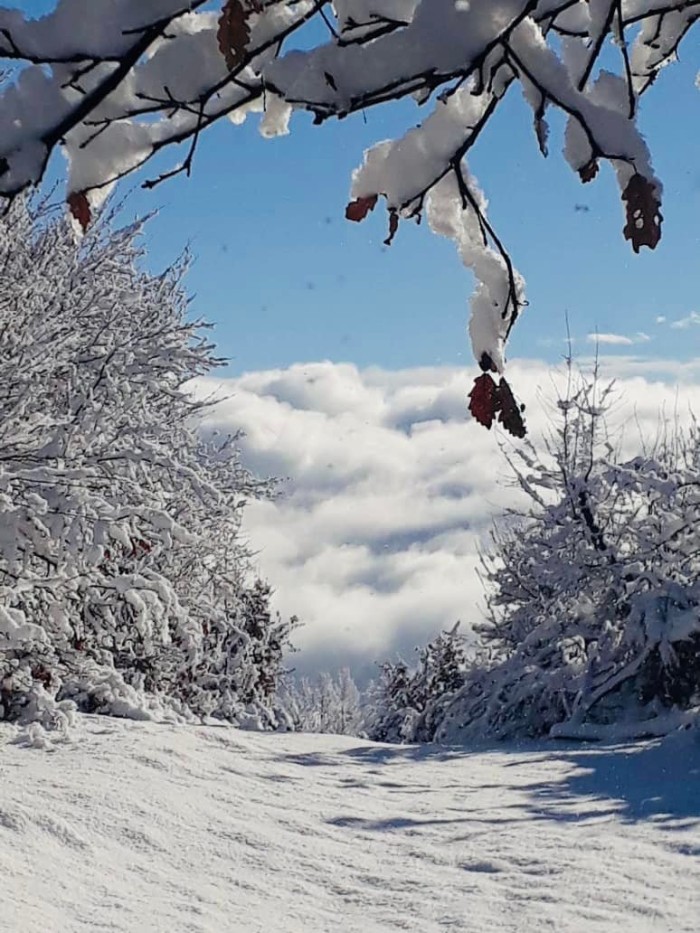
[594,596]
[240,663]
[122,569]
[328,704]
[406,705]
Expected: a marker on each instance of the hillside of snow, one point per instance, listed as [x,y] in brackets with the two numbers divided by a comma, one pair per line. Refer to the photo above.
[145,827]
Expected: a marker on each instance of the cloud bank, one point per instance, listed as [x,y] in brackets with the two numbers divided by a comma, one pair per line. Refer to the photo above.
[618,340]
[690,320]
[391,489]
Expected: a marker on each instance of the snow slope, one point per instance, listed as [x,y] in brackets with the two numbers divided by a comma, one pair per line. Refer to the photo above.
[146,827]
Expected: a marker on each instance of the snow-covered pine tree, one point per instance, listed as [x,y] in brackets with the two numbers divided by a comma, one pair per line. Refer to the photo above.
[594,626]
[391,707]
[406,705]
[124,581]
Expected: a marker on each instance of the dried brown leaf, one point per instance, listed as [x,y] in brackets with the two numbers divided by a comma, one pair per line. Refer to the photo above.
[588,171]
[542,134]
[483,400]
[79,207]
[358,209]
[488,401]
[510,414]
[233,34]
[643,209]
[393,227]
[542,128]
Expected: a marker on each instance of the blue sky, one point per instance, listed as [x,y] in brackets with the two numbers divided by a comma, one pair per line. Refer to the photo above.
[286,278]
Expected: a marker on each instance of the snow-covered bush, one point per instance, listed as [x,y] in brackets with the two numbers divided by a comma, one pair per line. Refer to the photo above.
[327,704]
[594,596]
[124,581]
[406,705]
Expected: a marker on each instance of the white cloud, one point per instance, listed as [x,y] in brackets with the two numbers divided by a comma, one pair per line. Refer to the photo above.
[374,543]
[619,340]
[657,369]
[690,320]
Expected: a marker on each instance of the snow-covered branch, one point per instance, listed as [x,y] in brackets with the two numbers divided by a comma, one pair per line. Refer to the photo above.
[112,86]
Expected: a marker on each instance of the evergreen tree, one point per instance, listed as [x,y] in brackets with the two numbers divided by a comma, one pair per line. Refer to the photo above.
[405,705]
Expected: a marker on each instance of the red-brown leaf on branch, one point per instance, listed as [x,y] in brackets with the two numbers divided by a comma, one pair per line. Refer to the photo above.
[643,209]
[139,547]
[233,34]
[588,171]
[79,207]
[358,209]
[509,412]
[393,227]
[42,675]
[483,400]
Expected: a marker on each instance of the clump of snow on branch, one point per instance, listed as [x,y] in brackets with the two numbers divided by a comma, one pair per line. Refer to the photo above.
[499,291]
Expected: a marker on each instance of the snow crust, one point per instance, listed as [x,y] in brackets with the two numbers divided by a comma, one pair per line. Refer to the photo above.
[145,827]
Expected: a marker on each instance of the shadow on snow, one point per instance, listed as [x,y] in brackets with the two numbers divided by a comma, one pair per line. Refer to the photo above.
[657,781]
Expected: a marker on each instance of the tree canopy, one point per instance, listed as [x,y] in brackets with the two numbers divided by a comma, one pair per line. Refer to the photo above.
[115,84]
[126,584]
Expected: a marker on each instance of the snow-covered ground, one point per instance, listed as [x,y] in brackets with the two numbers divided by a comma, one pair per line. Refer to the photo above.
[145,827]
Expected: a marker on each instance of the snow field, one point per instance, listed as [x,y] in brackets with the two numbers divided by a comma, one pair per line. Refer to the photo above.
[146,827]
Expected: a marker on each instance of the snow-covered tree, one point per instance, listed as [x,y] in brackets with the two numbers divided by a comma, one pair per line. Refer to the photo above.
[124,579]
[116,85]
[594,600]
[407,705]
[331,704]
